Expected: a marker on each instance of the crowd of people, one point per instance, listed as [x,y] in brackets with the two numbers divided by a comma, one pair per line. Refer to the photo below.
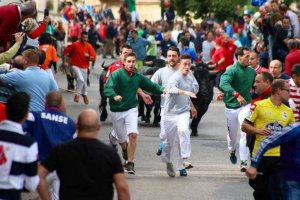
[253,60]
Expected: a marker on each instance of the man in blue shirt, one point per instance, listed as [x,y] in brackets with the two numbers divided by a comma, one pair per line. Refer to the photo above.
[33,80]
[50,128]
[186,50]
[139,46]
[289,140]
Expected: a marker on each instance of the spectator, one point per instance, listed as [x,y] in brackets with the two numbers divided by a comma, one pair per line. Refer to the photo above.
[265,118]
[187,50]
[166,44]
[60,34]
[11,17]
[49,128]
[139,47]
[254,63]
[152,49]
[186,34]
[288,139]
[74,30]
[207,47]
[282,34]
[293,17]
[228,28]
[111,34]
[276,70]
[33,80]
[6,56]
[46,45]
[229,50]
[293,57]
[95,165]
[18,151]
[294,101]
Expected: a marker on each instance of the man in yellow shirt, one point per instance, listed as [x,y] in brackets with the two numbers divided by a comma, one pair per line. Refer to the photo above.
[268,117]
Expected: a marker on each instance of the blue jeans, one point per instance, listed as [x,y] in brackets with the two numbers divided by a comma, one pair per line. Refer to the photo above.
[290,189]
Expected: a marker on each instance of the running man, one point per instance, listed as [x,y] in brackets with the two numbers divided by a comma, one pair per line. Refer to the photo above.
[161,77]
[181,87]
[236,83]
[121,88]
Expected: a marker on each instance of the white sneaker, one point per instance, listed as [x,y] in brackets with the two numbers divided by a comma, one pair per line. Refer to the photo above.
[170,170]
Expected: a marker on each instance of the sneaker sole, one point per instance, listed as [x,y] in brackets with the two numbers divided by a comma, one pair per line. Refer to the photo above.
[243,169]
[131,172]
[189,167]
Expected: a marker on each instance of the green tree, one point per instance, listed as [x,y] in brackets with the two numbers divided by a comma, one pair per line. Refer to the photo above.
[223,9]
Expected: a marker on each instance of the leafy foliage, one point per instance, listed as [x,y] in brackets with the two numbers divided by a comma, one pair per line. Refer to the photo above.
[201,8]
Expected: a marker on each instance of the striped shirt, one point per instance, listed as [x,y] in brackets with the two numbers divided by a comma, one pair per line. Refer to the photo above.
[295,99]
[18,160]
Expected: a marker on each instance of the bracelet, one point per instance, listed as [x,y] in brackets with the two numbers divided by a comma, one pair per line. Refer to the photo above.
[236,95]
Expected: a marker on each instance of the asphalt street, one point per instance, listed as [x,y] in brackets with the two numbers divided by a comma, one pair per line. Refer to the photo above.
[213,176]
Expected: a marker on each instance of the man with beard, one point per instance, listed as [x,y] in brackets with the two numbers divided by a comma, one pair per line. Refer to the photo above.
[81,53]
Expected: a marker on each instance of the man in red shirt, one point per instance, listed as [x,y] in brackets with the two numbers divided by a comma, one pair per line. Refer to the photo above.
[125,49]
[81,53]
[254,63]
[293,57]
[229,50]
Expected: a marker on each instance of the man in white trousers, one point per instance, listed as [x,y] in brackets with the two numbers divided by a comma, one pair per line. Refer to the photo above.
[181,86]
[236,83]
[81,53]
[161,77]
[121,88]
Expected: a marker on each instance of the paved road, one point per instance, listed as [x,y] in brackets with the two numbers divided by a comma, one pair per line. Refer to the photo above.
[213,177]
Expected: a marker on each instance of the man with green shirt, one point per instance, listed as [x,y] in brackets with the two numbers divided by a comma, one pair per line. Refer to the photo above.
[236,83]
[121,88]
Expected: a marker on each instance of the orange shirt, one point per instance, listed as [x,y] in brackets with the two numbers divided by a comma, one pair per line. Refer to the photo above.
[77,50]
[51,55]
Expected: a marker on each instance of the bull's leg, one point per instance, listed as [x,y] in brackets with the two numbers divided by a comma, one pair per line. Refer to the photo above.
[103,102]
[141,109]
[102,108]
[201,110]
[156,110]
[70,80]
[148,113]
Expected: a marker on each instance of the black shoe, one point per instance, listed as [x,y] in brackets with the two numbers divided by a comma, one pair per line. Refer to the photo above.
[144,118]
[194,133]
[130,168]
[103,115]
[155,124]
[232,157]
[124,154]
[147,120]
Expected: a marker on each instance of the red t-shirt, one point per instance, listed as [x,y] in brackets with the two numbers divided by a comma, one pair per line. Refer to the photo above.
[229,50]
[218,54]
[291,59]
[113,67]
[77,50]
